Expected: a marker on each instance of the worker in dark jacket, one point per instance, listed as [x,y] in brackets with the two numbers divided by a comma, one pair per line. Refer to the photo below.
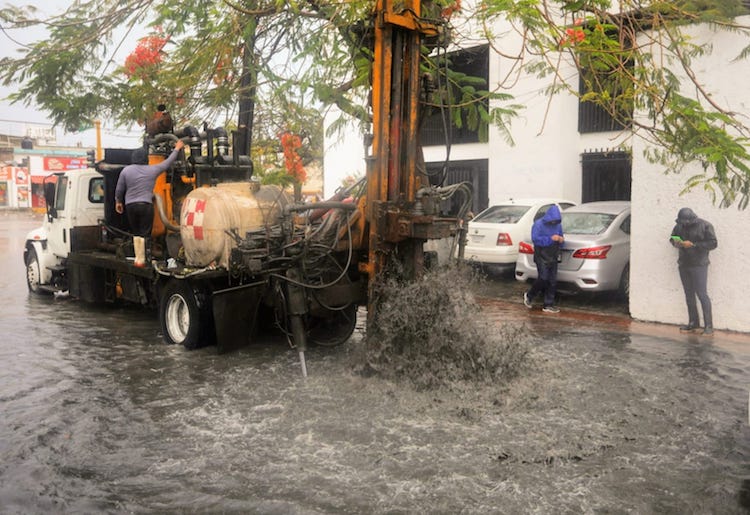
[695,238]
[547,236]
[134,193]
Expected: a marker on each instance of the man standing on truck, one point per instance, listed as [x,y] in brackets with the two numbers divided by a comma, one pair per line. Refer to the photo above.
[134,193]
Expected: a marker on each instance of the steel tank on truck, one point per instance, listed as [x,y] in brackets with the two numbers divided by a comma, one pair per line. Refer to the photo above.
[209,217]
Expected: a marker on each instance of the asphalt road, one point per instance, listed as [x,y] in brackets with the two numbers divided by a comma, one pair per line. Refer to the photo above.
[608,415]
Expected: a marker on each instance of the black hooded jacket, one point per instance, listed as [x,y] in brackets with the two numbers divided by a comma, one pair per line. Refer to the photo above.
[700,232]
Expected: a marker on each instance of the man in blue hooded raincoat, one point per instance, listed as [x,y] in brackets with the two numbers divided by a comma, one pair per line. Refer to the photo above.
[547,236]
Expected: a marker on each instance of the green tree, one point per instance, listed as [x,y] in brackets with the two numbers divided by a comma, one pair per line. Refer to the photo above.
[631,56]
[273,64]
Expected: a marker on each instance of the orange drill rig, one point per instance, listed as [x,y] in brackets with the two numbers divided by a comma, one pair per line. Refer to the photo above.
[230,255]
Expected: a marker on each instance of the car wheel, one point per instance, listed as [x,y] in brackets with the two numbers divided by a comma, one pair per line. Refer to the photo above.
[624,289]
[180,315]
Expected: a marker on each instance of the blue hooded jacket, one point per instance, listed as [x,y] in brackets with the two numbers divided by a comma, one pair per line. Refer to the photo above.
[545,248]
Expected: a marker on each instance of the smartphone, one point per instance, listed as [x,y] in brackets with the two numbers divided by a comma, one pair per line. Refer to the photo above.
[676,238]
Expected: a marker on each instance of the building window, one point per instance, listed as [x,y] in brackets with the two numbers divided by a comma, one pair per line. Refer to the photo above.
[472,171]
[612,109]
[471,62]
[594,118]
[605,175]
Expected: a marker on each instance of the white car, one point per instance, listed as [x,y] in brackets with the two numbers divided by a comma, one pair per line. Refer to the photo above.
[494,234]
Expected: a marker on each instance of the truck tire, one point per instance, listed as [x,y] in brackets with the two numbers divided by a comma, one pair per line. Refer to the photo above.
[33,272]
[335,329]
[180,316]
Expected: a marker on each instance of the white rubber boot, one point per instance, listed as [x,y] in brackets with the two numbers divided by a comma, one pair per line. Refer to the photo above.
[139,245]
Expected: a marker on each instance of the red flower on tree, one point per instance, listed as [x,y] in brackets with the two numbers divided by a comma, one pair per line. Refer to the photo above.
[292,160]
[448,11]
[573,36]
[147,54]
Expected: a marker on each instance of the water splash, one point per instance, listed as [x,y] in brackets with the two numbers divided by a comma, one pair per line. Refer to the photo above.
[432,332]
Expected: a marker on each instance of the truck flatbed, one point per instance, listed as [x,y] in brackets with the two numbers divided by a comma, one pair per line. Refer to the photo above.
[110,261]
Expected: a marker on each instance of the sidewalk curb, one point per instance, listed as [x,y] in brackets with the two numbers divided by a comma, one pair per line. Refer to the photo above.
[731,340]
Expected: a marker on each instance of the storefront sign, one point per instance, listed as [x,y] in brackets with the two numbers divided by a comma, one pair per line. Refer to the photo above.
[61,164]
[22,194]
[22,176]
[3,194]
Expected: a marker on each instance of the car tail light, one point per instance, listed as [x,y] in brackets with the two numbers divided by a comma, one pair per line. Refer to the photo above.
[592,252]
[503,239]
[525,248]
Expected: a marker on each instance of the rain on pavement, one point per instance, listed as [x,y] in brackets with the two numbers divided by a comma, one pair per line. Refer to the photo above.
[98,415]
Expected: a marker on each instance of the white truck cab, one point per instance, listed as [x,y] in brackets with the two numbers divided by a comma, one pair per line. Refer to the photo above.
[75,204]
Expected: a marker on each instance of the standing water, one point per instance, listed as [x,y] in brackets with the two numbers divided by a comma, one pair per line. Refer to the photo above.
[98,415]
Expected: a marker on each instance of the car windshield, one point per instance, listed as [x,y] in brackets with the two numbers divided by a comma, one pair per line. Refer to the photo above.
[502,214]
[586,223]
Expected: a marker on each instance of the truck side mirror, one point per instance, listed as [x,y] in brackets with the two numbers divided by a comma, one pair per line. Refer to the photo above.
[49,199]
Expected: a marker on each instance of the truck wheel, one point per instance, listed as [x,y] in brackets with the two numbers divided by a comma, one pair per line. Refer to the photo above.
[180,315]
[33,272]
[333,330]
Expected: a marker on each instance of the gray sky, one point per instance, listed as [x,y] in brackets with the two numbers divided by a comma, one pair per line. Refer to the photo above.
[17,119]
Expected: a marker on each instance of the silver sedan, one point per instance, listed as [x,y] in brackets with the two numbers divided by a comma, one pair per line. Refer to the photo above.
[596,252]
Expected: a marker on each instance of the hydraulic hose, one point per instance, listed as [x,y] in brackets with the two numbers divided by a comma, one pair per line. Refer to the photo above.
[163,215]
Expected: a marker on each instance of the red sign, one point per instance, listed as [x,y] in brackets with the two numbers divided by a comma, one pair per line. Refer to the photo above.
[22,176]
[61,164]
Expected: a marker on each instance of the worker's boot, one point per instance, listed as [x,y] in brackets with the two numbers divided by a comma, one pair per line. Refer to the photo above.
[139,245]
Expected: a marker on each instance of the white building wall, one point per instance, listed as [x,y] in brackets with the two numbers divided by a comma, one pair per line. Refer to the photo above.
[344,156]
[544,158]
[655,289]
[546,161]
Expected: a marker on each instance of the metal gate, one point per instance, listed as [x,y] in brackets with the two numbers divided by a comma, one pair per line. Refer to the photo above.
[472,171]
[606,175]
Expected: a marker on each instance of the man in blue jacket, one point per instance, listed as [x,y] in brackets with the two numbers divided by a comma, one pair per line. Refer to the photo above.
[547,236]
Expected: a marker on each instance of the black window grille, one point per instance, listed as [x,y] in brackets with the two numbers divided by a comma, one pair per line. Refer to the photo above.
[593,78]
[594,118]
[606,175]
[474,62]
[472,171]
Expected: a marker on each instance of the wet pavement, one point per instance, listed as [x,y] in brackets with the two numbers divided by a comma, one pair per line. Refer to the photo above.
[97,415]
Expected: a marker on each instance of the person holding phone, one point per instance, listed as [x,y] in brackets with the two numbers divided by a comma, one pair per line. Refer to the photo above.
[695,238]
[547,236]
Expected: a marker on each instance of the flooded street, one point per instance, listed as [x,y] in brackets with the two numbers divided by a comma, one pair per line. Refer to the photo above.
[97,415]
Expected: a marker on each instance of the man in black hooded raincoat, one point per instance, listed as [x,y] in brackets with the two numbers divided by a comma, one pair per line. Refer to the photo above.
[694,237]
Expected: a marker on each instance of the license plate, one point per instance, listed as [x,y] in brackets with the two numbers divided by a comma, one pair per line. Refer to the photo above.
[564,256]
